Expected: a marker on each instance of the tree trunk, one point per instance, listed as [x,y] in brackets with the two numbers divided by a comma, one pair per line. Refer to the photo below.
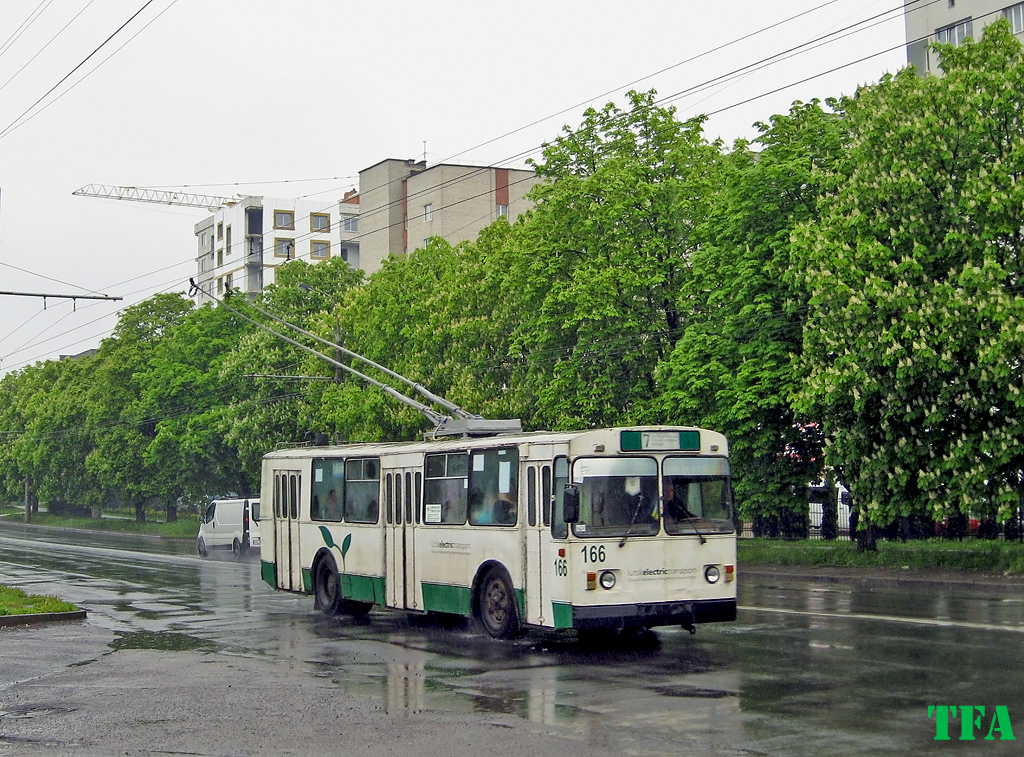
[140,511]
[172,513]
[28,501]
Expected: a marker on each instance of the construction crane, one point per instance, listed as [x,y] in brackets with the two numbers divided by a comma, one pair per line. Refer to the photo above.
[161,197]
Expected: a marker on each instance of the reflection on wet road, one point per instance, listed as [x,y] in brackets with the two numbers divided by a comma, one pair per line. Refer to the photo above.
[844,667]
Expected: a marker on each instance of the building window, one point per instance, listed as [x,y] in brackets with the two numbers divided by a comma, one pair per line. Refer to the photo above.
[1015,15]
[220,286]
[227,240]
[319,222]
[220,257]
[428,212]
[319,250]
[284,219]
[284,248]
[228,281]
[351,223]
[220,230]
[502,210]
[954,34]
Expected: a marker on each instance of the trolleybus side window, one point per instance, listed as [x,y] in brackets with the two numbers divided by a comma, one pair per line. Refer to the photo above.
[419,489]
[531,496]
[328,489]
[494,487]
[408,497]
[697,495]
[398,498]
[545,494]
[293,496]
[362,487]
[559,528]
[447,486]
[617,496]
[387,497]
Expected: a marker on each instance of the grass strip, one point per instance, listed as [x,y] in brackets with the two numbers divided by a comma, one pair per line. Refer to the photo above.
[16,602]
[976,556]
[184,527]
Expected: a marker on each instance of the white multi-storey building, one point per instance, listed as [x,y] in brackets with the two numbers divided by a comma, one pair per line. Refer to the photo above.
[952,21]
[241,244]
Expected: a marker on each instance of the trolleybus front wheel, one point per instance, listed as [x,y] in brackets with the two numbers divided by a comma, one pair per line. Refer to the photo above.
[497,602]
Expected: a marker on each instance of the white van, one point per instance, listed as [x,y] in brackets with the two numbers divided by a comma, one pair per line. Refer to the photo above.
[230,524]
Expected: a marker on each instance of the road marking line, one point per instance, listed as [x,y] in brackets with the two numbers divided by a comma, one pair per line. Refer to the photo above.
[890,619]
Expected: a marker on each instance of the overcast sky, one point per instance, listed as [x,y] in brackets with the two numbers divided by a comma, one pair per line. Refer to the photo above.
[290,99]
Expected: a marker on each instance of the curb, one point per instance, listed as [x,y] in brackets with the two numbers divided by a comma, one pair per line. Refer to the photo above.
[881,577]
[40,617]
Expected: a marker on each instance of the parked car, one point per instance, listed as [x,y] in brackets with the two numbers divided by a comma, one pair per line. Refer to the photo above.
[230,524]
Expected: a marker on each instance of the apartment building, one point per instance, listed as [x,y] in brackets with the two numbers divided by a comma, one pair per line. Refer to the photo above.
[403,203]
[952,21]
[400,204]
[241,244]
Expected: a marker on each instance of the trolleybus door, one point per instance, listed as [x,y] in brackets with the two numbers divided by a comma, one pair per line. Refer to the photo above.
[402,494]
[287,485]
[538,496]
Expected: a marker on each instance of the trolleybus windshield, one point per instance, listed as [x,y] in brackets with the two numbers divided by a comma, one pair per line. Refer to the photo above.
[617,494]
[697,495]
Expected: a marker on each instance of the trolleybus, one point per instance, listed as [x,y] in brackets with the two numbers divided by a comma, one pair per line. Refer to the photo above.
[626,528]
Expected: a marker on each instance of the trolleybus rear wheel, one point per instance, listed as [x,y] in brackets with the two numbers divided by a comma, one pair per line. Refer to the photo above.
[327,587]
[497,602]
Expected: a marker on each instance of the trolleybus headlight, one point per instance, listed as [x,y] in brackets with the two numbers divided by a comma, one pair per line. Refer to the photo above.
[607,580]
[712,574]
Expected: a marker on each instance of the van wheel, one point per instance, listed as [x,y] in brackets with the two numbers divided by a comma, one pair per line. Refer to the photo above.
[497,602]
[327,587]
[202,548]
[236,549]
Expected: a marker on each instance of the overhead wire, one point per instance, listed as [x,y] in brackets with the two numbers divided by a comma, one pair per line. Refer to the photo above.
[44,47]
[23,27]
[24,118]
[533,150]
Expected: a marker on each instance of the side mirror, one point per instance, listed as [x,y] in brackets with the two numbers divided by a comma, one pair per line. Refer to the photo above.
[571,504]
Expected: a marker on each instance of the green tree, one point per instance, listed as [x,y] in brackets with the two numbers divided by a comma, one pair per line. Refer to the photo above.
[121,430]
[732,368]
[913,342]
[182,389]
[603,257]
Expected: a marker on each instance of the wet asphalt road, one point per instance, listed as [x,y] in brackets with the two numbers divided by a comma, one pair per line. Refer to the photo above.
[188,656]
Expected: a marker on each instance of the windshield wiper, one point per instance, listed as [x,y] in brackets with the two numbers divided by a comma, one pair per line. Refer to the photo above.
[632,521]
[694,527]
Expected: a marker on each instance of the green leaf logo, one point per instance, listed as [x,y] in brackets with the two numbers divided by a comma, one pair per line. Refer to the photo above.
[345,544]
[327,537]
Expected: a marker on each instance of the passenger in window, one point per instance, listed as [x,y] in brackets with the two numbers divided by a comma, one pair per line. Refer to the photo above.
[333,505]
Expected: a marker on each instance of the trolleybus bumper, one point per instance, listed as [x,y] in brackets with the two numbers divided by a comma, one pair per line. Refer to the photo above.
[687,614]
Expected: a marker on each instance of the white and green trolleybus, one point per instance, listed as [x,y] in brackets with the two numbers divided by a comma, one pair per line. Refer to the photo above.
[612,528]
[624,528]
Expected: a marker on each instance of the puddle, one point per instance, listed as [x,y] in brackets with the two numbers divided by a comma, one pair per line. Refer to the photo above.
[163,640]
